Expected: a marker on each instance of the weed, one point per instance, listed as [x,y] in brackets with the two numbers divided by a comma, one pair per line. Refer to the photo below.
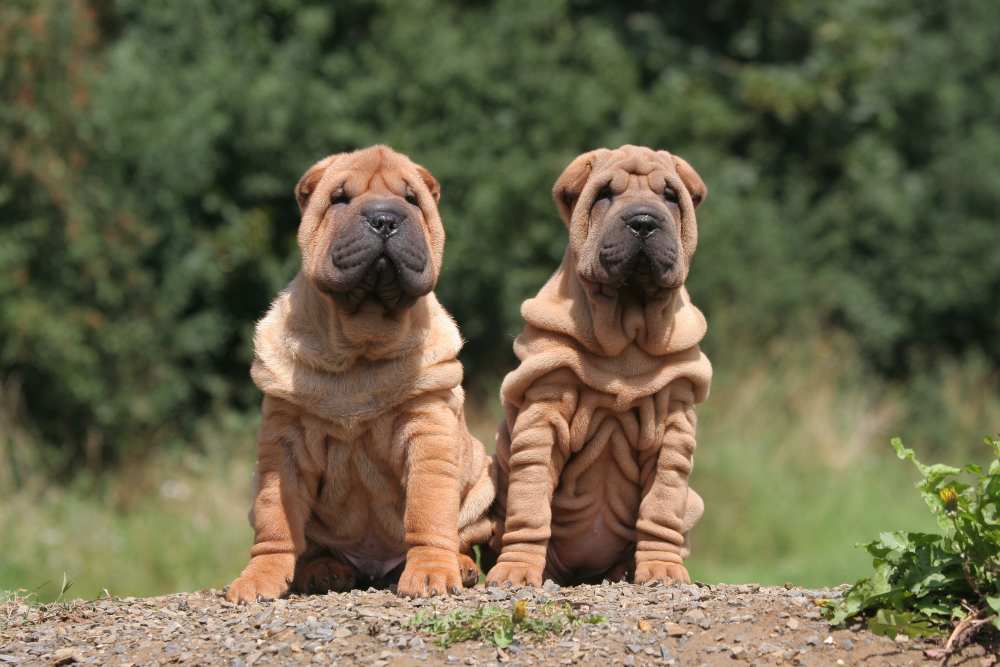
[64,587]
[12,605]
[498,626]
[927,583]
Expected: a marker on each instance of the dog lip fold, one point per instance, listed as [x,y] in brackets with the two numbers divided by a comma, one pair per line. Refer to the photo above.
[380,281]
[395,277]
[638,267]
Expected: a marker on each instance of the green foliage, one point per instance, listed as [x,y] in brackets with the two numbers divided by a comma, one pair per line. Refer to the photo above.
[148,152]
[498,626]
[923,582]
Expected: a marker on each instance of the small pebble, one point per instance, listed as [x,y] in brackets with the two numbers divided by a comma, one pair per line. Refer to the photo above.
[675,630]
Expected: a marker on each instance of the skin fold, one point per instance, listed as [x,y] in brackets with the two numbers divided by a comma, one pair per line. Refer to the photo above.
[365,466]
[594,453]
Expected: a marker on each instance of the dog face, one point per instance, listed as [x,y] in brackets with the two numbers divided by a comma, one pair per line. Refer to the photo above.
[630,214]
[370,234]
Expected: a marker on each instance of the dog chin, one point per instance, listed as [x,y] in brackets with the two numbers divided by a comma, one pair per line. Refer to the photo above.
[631,293]
[636,286]
[380,289]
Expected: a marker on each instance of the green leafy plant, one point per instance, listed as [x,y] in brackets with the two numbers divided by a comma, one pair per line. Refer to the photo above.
[498,626]
[925,584]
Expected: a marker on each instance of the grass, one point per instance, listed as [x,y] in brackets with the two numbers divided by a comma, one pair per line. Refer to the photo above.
[795,466]
[793,462]
[177,521]
[500,626]
[12,604]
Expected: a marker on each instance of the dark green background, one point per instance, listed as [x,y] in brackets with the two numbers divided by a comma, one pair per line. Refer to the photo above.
[148,153]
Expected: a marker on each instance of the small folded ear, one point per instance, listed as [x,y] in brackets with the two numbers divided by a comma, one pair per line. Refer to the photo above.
[570,183]
[307,184]
[431,182]
[692,181]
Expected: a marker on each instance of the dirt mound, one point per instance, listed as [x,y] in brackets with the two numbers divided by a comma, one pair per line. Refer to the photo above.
[626,624]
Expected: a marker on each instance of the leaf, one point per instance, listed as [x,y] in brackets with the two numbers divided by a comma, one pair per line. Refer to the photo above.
[503,637]
[898,541]
[891,623]
[995,444]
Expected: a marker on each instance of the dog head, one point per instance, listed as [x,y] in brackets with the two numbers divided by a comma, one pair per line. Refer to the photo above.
[370,234]
[630,214]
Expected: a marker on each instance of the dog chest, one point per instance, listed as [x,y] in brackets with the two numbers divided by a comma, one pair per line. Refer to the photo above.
[359,500]
[596,501]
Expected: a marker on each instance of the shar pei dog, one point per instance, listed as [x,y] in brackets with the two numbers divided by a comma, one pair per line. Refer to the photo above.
[364,460]
[594,453]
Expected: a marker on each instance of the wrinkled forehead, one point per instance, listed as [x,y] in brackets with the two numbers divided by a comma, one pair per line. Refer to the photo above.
[373,170]
[636,166]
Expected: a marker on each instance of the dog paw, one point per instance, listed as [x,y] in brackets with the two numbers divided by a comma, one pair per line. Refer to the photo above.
[265,578]
[469,570]
[430,571]
[323,574]
[514,574]
[658,570]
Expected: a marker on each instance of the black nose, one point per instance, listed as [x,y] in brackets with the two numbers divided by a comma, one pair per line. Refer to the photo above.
[643,224]
[384,224]
[383,218]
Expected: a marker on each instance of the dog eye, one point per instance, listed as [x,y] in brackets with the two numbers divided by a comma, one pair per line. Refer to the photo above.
[670,195]
[339,196]
[410,196]
[605,193]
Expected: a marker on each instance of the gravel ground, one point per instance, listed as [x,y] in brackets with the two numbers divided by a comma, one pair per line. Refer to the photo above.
[652,624]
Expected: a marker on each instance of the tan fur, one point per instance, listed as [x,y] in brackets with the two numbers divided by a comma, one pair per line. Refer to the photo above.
[595,451]
[364,457]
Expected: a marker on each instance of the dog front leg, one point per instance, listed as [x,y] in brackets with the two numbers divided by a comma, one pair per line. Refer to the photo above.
[662,514]
[430,522]
[280,508]
[530,485]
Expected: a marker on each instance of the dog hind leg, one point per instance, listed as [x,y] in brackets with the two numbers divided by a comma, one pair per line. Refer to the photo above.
[322,573]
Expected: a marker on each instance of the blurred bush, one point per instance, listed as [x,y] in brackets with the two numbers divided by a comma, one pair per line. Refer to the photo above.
[148,152]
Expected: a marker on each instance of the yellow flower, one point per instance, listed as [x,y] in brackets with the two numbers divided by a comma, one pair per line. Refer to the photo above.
[520,611]
[949,498]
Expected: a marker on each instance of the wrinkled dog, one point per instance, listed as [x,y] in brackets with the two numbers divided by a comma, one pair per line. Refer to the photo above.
[594,455]
[364,461]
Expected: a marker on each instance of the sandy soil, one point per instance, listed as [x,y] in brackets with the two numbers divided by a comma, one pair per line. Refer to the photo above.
[647,625]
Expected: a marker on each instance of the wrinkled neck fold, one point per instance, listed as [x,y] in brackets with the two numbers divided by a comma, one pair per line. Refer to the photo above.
[348,366]
[323,336]
[609,326]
